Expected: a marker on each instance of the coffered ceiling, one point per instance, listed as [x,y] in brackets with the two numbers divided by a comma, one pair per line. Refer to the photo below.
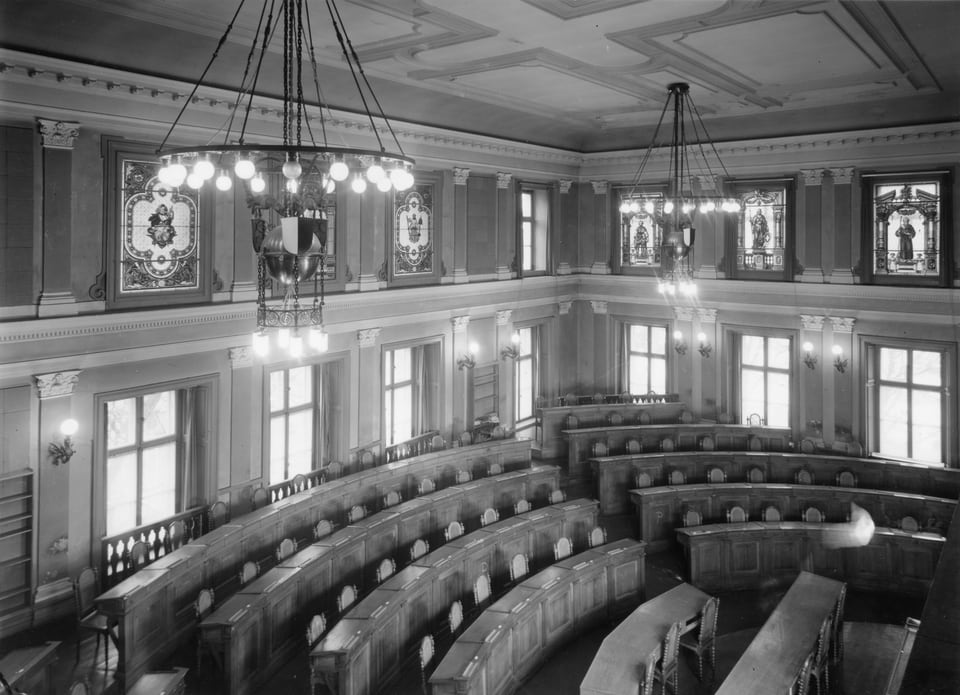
[586,75]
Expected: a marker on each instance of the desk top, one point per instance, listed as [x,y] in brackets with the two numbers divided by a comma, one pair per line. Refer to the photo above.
[160,683]
[774,658]
[21,662]
[618,666]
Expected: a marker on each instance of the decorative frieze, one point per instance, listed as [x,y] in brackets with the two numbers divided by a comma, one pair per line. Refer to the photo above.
[503,180]
[367,337]
[460,176]
[56,384]
[812,323]
[503,317]
[842,324]
[240,357]
[58,135]
[460,323]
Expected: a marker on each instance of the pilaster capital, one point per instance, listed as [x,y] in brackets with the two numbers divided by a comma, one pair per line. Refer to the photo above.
[504,179]
[842,174]
[56,384]
[367,337]
[812,177]
[460,176]
[812,323]
[683,313]
[241,356]
[563,307]
[599,307]
[58,135]
[460,323]
[503,316]
[707,315]
[842,324]
[565,185]
[600,187]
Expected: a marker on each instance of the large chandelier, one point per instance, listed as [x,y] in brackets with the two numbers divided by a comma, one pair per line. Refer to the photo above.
[299,163]
[673,214]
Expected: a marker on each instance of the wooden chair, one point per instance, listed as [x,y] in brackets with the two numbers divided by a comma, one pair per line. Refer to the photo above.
[299,482]
[489,516]
[481,590]
[846,478]
[644,418]
[686,417]
[820,669]
[139,554]
[346,597]
[419,548]
[614,419]
[649,668]
[426,486]
[909,524]
[626,397]
[668,671]
[249,572]
[322,529]
[260,498]
[217,515]
[356,513]
[771,513]
[562,548]
[498,432]
[804,477]
[454,530]
[803,680]
[707,443]
[333,470]
[437,443]
[634,446]
[465,439]
[367,459]
[737,515]
[426,656]
[455,617]
[287,547]
[495,468]
[813,514]
[691,517]
[203,604]
[557,496]
[176,535]
[598,536]
[705,640]
[715,474]
[76,688]
[599,449]
[676,477]
[521,507]
[463,476]
[643,479]
[392,498]
[597,398]
[519,567]
[571,422]
[386,569]
[756,475]
[570,399]
[89,619]
[315,629]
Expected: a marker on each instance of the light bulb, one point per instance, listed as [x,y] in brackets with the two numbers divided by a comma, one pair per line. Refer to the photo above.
[194,180]
[177,173]
[292,169]
[648,207]
[339,171]
[677,335]
[661,288]
[624,207]
[257,184]
[359,185]
[515,338]
[330,185]
[703,207]
[375,172]
[710,206]
[384,185]
[406,181]
[165,175]
[69,427]
[261,343]
[292,185]
[687,208]
[296,345]
[634,206]
[244,168]
[223,181]
[283,337]
[668,207]
[318,339]
[808,347]
[701,337]
[837,350]
[204,168]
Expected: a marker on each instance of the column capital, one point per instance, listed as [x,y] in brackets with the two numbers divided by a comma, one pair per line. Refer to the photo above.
[600,187]
[812,177]
[563,307]
[504,179]
[367,337]
[503,316]
[842,324]
[241,356]
[707,315]
[599,307]
[812,323]
[842,174]
[58,135]
[460,323]
[683,313]
[56,384]
[460,176]
[565,185]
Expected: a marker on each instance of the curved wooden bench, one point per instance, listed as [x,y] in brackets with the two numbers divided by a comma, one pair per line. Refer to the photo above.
[153,609]
[615,476]
[517,633]
[367,645]
[660,509]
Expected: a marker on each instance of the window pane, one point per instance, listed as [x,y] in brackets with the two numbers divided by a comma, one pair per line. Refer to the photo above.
[121,492]
[752,350]
[524,389]
[926,368]
[926,426]
[526,341]
[159,483]
[402,415]
[278,389]
[638,374]
[159,415]
[778,353]
[893,421]
[526,204]
[121,423]
[401,365]
[658,340]
[893,365]
[278,448]
[300,442]
[658,375]
[751,388]
[778,399]
[638,339]
[301,387]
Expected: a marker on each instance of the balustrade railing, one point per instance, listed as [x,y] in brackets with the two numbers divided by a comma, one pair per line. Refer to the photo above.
[160,538]
[298,483]
[611,398]
[421,444]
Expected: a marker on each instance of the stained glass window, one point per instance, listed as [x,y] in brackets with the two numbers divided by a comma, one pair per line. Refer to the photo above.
[761,229]
[413,231]
[641,230]
[906,218]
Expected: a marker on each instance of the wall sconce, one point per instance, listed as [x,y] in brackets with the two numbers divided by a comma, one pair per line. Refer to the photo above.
[509,352]
[679,344]
[468,361]
[809,358]
[838,361]
[62,453]
[705,347]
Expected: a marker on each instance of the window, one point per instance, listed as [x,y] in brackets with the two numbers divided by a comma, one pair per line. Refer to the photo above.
[534,228]
[906,217]
[765,380]
[413,225]
[908,403]
[304,419]
[760,237]
[644,366]
[641,229]
[143,463]
[526,373]
[411,397]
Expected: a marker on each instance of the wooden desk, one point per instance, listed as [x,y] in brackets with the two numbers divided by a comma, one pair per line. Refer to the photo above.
[30,669]
[681,437]
[171,682]
[364,649]
[517,633]
[730,557]
[152,611]
[774,658]
[614,476]
[619,665]
[660,509]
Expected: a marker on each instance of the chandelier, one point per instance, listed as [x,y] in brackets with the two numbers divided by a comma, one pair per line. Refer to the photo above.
[298,161]
[672,215]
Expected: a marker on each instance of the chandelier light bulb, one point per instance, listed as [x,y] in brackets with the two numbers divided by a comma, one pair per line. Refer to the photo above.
[261,343]
[837,350]
[624,207]
[710,206]
[678,335]
[515,338]
[195,181]
[283,337]
[648,207]
[292,169]
[384,185]
[292,185]
[257,184]
[375,173]
[204,168]
[69,427]
[165,175]
[405,182]
[244,168]
[223,181]
[668,207]
[318,339]
[329,185]
[177,173]
[359,185]
[295,348]
[634,206]
[661,288]
[339,171]
[687,208]
[808,346]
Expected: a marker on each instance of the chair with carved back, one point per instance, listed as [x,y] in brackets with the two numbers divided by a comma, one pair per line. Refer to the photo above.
[643,479]
[599,449]
[260,498]
[392,498]
[909,524]
[813,514]
[676,477]
[802,683]
[299,483]
[426,652]
[691,517]
[176,535]
[626,397]
[315,629]
[521,507]
[820,669]
[481,590]
[715,474]
[634,446]
[737,515]
[139,555]
[437,443]
[356,513]
[846,478]
[668,670]
[644,418]
[426,486]
[418,549]
[804,477]
[756,475]
[463,476]
[489,516]
[287,547]
[465,439]
[80,687]
[495,468]
[557,496]
[367,459]
[85,589]
[570,399]
[771,512]
[597,398]
[571,422]
[649,668]
[333,470]
[346,598]
[249,572]
[455,617]
[498,432]
[217,515]
[454,530]
[386,569]
[614,419]
[322,529]
[598,536]
[519,567]
[704,642]
[562,548]
[202,607]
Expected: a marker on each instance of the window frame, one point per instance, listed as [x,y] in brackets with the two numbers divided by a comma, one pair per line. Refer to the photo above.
[418,391]
[434,184]
[313,405]
[534,357]
[621,193]
[734,388]
[541,230]
[945,178]
[626,352]
[737,189]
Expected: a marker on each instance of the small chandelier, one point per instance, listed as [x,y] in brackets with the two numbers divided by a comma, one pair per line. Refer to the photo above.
[674,214]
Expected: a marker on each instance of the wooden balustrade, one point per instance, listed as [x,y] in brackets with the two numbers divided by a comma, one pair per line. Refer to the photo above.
[421,444]
[285,488]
